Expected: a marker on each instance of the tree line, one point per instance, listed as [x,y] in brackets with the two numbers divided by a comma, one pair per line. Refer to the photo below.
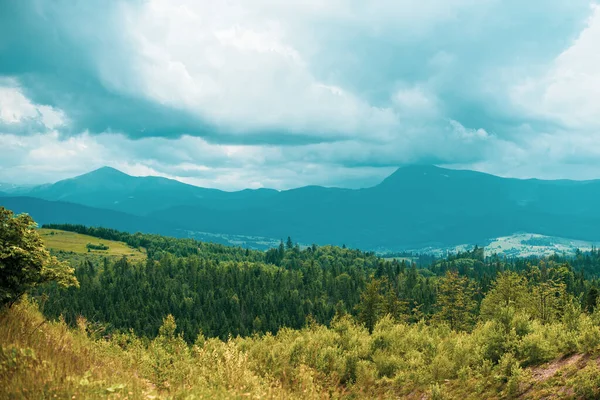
[221,291]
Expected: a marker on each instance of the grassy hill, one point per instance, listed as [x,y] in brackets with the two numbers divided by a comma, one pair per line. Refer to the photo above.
[70,241]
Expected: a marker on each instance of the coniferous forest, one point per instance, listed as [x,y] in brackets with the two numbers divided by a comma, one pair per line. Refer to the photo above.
[207,320]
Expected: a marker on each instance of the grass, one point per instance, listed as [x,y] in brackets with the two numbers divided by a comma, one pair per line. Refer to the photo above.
[75,242]
[42,359]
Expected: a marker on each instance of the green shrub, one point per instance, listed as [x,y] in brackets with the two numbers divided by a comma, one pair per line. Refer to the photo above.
[534,349]
[586,382]
[100,246]
[588,340]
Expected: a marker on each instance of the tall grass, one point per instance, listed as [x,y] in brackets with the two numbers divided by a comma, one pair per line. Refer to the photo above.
[40,359]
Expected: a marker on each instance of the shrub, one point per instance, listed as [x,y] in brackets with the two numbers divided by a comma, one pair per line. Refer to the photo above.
[588,339]
[100,246]
[586,383]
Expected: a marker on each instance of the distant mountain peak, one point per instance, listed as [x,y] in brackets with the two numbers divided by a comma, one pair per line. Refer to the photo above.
[414,171]
[421,168]
[104,172]
[107,170]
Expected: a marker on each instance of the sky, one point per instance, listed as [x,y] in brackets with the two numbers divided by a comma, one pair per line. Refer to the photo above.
[267,93]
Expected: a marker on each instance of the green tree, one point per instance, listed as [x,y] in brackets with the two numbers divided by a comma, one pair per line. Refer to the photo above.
[549,300]
[591,299]
[370,306]
[455,301]
[508,290]
[24,261]
[392,305]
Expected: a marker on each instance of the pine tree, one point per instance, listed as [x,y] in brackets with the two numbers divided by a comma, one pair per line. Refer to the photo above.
[591,300]
[370,306]
[508,290]
[455,301]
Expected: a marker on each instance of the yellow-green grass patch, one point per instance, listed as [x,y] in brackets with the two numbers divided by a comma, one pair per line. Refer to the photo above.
[70,241]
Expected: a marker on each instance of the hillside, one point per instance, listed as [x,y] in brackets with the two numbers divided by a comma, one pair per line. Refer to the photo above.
[48,212]
[201,320]
[115,190]
[417,206]
[56,239]
[53,361]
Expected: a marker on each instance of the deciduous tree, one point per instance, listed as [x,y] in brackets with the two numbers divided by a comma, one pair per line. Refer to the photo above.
[24,261]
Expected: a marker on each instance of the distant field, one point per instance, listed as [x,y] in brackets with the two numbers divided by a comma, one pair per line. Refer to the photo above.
[405,259]
[75,242]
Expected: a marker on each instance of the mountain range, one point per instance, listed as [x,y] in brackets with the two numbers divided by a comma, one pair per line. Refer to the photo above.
[416,206]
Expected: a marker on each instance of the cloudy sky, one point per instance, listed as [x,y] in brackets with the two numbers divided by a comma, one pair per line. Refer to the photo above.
[270,93]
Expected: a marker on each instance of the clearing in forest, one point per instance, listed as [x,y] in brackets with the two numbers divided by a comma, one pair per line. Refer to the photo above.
[78,243]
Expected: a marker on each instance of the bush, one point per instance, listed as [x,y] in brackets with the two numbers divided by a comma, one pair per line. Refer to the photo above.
[100,246]
[586,383]
[588,340]
[535,348]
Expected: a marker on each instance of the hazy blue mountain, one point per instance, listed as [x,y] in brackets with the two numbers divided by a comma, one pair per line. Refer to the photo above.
[14,189]
[109,188]
[415,206]
[48,212]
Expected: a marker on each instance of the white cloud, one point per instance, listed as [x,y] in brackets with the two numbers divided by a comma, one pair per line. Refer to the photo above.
[466,134]
[417,102]
[16,108]
[569,90]
[232,67]
[370,84]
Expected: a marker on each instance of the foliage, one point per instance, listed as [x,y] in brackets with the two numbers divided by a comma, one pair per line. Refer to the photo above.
[198,320]
[24,261]
[99,246]
[456,301]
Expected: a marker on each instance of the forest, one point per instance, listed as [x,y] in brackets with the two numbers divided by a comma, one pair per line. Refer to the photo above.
[208,320]
[227,291]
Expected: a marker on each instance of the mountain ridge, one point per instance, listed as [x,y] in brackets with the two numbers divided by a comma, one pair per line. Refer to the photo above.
[402,171]
[415,206]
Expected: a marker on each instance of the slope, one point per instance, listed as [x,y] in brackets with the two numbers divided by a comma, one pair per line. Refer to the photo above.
[112,189]
[48,212]
[416,206]
[56,239]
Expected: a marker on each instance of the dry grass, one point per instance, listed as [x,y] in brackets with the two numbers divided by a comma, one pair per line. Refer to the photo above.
[41,359]
[70,241]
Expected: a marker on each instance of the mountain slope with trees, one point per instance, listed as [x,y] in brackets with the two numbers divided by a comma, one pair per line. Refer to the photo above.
[471,327]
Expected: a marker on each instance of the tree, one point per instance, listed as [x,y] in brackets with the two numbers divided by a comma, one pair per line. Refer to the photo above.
[455,301]
[370,306]
[289,244]
[392,305]
[549,299]
[591,300]
[24,261]
[508,290]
